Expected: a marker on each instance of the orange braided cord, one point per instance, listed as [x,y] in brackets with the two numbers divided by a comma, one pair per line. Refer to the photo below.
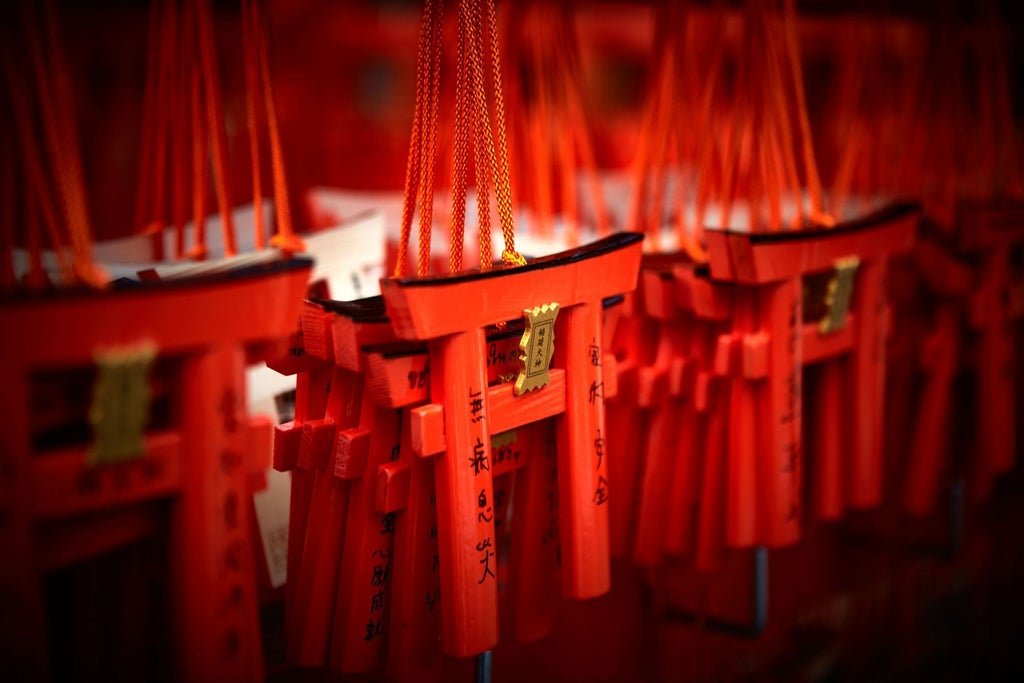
[284,237]
[430,117]
[249,37]
[37,189]
[814,189]
[502,185]
[460,160]
[215,121]
[483,145]
[412,169]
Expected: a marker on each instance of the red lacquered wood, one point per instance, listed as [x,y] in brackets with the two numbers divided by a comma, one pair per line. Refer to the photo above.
[312,390]
[508,412]
[756,258]
[660,450]
[324,541]
[360,613]
[678,536]
[243,310]
[431,308]
[466,541]
[415,616]
[742,491]
[867,386]
[67,486]
[928,450]
[23,642]
[995,364]
[779,416]
[680,529]
[583,484]
[822,347]
[828,442]
[211,327]
[982,227]
[86,538]
[625,422]
[532,583]
[711,537]
[215,612]
[351,335]
[309,630]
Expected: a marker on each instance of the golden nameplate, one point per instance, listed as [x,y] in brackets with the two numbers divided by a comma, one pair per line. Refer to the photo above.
[840,290]
[120,404]
[538,346]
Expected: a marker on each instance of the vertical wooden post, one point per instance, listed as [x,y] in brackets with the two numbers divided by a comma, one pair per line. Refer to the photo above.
[582,470]
[931,423]
[415,626]
[742,494]
[828,431]
[779,414]
[867,389]
[711,514]
[534,535]
[217,622]
[466,540]
[361,612]
[311,393]
[996,428]
[323,537]
[23,653]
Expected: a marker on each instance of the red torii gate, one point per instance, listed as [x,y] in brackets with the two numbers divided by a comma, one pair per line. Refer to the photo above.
[201,456]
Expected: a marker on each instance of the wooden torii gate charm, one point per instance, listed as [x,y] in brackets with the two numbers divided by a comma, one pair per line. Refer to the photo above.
[451,313]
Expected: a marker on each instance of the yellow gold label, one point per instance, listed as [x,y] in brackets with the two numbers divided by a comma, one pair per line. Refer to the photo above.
[840,289]
[538,346]
[120,404]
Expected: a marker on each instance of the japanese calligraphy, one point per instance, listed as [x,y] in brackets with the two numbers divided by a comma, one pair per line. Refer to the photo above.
[601,494]
[377,601]
[484,547]
[374,629]
[485,515]
[479,458]
[599,448]
[381,574]
[476,406]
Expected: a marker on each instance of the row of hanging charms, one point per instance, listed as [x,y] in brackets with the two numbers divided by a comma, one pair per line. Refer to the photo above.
[959,296]
[423,415]
[721,330]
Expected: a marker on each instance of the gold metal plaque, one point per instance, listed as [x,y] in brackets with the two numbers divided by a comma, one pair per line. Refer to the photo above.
[538,346]
[120,404]
[840,289]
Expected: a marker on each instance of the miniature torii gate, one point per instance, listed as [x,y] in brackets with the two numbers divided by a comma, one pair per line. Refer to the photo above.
[450,313]
[734,340]
[201,460]
[771,341]
[974,276]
